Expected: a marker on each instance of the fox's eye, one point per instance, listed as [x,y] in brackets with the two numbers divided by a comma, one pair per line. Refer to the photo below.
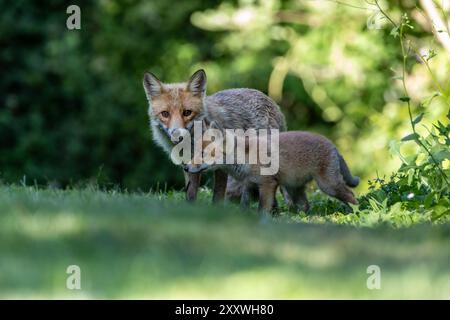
[165,114]
[187,113]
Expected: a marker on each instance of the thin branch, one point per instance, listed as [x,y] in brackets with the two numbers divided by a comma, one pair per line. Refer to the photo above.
[384,14]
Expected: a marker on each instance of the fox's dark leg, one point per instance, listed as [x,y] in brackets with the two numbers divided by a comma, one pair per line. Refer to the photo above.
[192,185]
[299,200]
[249,193]
[302,200]
[245,196]
[220,185]
[234,189]
[267,192]
[275,203]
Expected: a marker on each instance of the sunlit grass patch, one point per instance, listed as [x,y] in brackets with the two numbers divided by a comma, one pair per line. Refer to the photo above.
[147,245]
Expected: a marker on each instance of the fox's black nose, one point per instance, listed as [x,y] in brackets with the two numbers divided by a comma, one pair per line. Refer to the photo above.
[186,168]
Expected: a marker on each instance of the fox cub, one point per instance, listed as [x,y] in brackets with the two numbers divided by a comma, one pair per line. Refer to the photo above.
[303,156]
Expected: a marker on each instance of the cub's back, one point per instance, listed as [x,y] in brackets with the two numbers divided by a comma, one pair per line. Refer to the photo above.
[304,149]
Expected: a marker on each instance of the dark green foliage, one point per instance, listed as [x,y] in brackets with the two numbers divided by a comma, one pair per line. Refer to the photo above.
[72,105]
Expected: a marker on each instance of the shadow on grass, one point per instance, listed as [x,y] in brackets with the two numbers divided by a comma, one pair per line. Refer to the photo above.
[137,246]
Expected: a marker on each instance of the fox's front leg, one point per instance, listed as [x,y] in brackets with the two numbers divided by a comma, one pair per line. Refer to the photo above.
[192,185]
[267,192]
[299,199]
[220,185]
[245,196]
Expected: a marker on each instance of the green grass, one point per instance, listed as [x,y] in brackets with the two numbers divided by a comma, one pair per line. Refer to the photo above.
[158,246]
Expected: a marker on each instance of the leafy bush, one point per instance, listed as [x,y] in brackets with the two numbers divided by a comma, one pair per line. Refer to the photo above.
[419,191]
[421,183]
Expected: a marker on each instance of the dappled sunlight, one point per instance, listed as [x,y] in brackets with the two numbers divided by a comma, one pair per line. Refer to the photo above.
[134,246]
[41,226]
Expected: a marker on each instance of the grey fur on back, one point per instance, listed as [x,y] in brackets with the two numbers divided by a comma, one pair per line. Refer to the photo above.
[233,109]
[244,109]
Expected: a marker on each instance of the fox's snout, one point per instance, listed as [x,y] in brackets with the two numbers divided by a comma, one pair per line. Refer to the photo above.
[177,134]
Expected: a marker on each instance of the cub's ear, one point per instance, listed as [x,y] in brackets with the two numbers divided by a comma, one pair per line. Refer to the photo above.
[152,85]
[197,83]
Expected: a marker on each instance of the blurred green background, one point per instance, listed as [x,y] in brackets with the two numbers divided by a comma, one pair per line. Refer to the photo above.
[72,106]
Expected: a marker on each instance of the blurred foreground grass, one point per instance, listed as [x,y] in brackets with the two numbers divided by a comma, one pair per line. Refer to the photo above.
[157,246]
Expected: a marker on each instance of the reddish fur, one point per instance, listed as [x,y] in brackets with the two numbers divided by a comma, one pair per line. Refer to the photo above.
[175,100]
[303,157]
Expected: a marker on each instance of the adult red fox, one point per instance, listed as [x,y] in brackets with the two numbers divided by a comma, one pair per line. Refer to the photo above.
[301,157]
[174,107]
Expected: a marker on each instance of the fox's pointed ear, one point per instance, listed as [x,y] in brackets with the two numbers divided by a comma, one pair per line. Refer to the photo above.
[197,83]
[152,85]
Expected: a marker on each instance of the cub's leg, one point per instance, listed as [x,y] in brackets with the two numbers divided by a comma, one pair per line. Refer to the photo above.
[192,185]
[220,186]
[299,200]
[267,191]
[287,198]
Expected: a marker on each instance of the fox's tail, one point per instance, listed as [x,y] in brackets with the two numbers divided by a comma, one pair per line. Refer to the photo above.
[350,180]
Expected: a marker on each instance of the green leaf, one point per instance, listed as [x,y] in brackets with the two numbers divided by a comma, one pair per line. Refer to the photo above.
[411,160]
[441,128]
[374,204]
[431,54]
[426,102]
[442,155]
[410,176]
[409,137]
[405,99]
[441,209]
[418,119]
[429,200]
[394,32]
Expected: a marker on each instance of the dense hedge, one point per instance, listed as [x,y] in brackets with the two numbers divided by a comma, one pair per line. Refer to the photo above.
[72,103]
[72,107]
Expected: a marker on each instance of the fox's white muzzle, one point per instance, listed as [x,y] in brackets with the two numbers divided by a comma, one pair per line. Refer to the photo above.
[177,134]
